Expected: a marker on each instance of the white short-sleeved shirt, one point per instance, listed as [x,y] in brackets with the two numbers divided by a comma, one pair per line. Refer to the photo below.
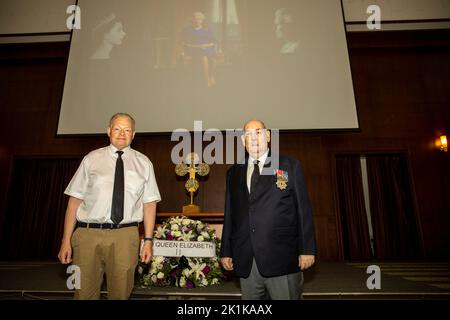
[94,182]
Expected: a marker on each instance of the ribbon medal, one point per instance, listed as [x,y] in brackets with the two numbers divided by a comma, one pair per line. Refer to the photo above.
[282,179]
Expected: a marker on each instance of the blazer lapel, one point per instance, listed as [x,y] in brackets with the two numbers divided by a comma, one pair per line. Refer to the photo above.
[243,177]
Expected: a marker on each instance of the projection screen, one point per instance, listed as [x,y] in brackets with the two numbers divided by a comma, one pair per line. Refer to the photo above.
[170,62]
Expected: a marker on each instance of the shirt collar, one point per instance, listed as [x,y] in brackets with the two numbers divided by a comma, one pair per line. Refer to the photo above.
[113,150]
[262,159]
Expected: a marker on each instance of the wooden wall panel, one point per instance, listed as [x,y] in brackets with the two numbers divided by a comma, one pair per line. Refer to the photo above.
[402,88]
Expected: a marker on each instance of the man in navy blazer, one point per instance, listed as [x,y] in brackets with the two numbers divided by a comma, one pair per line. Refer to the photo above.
[268,233]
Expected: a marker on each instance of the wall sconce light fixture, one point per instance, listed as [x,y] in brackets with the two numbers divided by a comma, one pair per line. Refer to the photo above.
[443,143]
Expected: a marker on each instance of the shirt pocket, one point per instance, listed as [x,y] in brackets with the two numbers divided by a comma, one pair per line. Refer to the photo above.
[99,181]
[134,182]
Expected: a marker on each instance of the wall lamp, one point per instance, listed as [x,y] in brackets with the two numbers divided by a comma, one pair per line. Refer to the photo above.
[441,143]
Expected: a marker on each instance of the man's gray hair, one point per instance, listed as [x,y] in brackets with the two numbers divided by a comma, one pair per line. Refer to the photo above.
[122,114]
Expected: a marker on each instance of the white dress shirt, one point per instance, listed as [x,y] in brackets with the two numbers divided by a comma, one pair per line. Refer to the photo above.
[250,167]
[94,182]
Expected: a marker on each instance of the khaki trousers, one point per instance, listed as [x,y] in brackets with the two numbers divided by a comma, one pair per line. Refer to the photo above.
[113,252]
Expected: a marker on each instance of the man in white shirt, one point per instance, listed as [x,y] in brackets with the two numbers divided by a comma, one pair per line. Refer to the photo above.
[112,191]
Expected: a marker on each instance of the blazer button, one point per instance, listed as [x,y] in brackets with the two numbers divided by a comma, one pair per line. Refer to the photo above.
[253,230]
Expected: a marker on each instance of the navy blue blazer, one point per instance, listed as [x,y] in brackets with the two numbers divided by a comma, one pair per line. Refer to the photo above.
[272,225]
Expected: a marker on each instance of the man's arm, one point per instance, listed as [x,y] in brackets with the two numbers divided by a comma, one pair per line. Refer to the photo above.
[307,233]
[149,226]
[65,252]
[225,251]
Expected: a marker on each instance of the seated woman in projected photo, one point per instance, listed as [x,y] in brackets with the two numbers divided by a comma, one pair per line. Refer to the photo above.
[199,47]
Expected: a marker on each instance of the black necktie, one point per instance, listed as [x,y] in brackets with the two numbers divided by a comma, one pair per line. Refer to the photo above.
[119,190]
[255,176]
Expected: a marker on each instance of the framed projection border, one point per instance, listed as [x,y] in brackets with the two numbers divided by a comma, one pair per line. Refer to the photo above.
[212,103]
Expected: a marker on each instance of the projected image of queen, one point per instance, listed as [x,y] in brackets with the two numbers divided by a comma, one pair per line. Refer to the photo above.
[199,47]
[286,30]
[107,34]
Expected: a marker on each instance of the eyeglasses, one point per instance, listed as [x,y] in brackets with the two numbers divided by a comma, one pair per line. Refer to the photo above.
[127,131]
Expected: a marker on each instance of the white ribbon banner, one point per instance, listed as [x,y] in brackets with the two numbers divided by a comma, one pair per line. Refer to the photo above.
[198,249]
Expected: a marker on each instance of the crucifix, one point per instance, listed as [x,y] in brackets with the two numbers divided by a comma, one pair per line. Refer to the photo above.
[193,167]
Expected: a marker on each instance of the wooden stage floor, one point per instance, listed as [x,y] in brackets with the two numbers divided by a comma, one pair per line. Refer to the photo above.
[326,280]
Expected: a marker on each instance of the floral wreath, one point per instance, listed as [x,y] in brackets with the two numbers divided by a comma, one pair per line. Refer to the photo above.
[183,272]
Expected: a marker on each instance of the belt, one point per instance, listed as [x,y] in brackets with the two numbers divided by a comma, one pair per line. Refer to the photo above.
[106,225]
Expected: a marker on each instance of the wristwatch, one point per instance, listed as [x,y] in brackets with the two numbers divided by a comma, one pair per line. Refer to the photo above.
[148,239]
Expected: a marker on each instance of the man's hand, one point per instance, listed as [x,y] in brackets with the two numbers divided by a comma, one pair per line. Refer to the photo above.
[147,252]
[305,261]
[65,253]
[227,263]
[70,220]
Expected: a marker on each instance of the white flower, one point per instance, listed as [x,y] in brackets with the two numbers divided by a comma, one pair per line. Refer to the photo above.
[174,227]
[158,259]
[186,272]
[176,220]
[186,222]
[177,233]
[204,282]
[182,282]
[160,231]
[154,279]
[187,236]
[205,235]
[214,281]
[200,238]
[160,275]
[197,269]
